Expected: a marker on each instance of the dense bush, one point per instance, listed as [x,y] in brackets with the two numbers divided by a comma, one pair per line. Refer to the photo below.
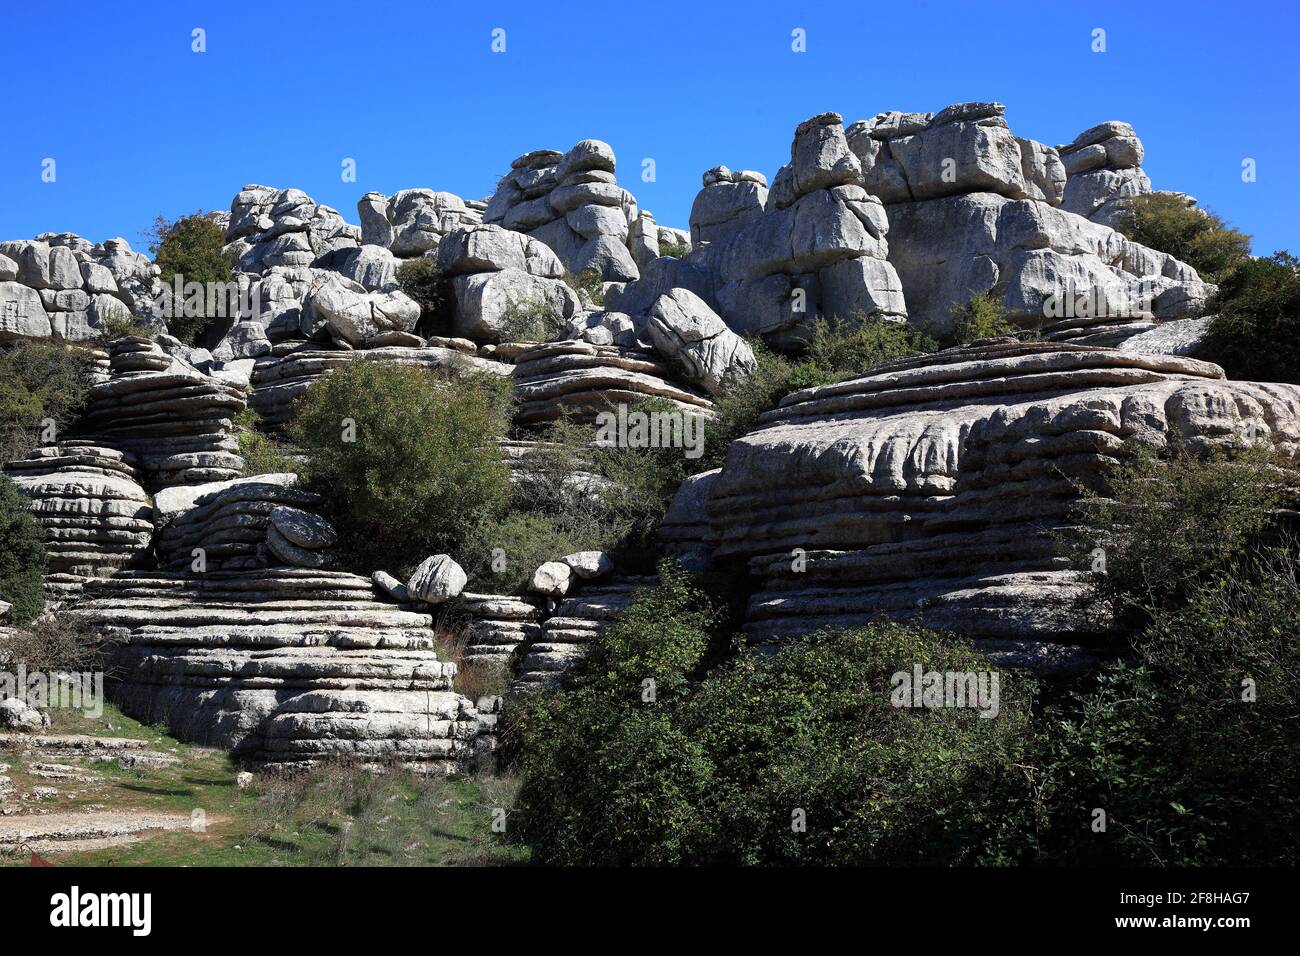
[407,460]
[1186,742]
[1166,223]
[191,247]
[423,282]
[1257,324]
[38,381]
[674,250]
[521,540]
[716,764]
[534,320]
[983,317]
[22,555]
[1190,746]
[262,454]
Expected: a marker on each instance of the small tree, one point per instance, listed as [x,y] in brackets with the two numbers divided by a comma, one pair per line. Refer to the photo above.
[1257,326]
[40,382]
[191,247]
[983,317]
[22,555]
[407,460]
[1197,236]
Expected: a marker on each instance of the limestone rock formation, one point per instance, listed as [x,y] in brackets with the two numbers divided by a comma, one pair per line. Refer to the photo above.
[566,636]
[241,524]
[283,227]
[60,285]
[707,353]
[497,624]
[973,209]
[438,579]
[580,380]
[1104,165]
[94,515]
[282,666]
[943,487]
[573,203]
[501,278]
[173,418]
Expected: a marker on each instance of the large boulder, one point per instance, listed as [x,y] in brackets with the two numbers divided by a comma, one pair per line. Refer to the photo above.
[708,354]
[345,310]
[436,580]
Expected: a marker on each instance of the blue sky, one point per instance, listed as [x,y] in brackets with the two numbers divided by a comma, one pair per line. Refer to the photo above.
[138,124]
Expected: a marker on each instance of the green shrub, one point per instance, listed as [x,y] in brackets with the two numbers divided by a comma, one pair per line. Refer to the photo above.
[983,317]
[1190,747]
[1257,320]
[846,348]
[191,247]
[262,454]
[407,460]
[714,767]
[118,328]
[22,555]
[1196,236]
[1169,522]
[588,283]
[423,282]
[675,250]
[1204,575]
[522,541]
[532,321]
[39,380]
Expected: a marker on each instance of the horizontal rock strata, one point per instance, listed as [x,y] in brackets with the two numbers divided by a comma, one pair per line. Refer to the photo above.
[283,666]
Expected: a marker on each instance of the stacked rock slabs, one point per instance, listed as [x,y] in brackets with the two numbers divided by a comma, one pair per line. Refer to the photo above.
[283,666]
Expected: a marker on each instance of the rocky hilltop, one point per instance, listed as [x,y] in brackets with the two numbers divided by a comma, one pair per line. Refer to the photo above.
[942,485]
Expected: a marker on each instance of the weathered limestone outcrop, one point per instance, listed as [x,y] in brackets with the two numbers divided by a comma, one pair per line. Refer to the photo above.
[769,262]
[573,203]
[496,624]
[413,221]
[1104,165]
[580,380]
[973,209]
[283,227]
[93,513]
[283,666]
[62,286]
[566,636]
[500,278]
[173,418]
[242,524]
[943,487]
[280,378]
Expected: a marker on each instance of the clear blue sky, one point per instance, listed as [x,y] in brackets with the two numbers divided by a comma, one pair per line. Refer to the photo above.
[140,125]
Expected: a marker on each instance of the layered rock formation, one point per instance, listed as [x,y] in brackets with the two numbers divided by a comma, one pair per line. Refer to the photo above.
[1104,165]
[496,624]
[579,381]
[943,488]
[573,203]
[174,419]
[816,247]
[227,525]
[566,635]
[973,209]
[93,513]
[60,285]
[283,666]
